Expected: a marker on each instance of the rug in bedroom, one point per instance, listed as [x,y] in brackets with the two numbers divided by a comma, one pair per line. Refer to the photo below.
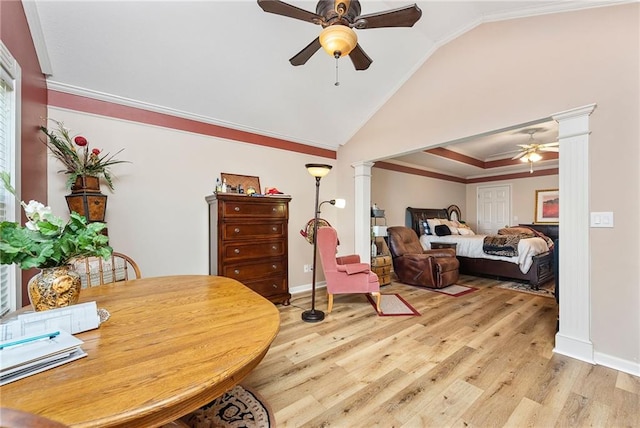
[392,305]
[545,290]
[238,407]
[454,290]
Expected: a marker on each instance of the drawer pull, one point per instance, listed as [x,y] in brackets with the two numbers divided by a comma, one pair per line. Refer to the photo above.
[274,285]
[237,230]
[274,267]
[236,209]
[274,228]
[236,271]
[274,248]
[274,209]
[237,251]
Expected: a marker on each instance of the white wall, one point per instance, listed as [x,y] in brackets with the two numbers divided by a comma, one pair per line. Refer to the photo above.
[395,191]
[523,196]
[158,214]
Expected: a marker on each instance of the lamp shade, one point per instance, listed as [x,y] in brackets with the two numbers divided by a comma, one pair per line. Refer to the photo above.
[531,157]
[340,203]
[318,169]
[338,40]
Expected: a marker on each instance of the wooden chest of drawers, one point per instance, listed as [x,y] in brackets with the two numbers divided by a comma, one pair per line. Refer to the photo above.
[381,266]
[248,242]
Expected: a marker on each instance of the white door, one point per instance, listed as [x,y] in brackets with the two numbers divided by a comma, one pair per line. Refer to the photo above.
[494,209]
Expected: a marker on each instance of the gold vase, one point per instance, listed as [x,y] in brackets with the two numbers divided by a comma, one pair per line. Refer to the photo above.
[54,287]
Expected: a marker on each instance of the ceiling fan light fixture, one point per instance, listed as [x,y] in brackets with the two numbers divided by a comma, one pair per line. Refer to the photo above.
[338,40]
[531,157]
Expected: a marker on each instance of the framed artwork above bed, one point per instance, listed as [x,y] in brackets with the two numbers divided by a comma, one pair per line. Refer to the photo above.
[547,206]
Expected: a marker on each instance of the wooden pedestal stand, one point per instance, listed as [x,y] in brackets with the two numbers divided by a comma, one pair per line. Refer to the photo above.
[87,200]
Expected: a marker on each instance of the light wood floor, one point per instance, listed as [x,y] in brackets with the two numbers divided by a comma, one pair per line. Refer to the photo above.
[479,360]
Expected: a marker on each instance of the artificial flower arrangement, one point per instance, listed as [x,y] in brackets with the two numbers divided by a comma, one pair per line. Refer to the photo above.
[74,153]
[47,241]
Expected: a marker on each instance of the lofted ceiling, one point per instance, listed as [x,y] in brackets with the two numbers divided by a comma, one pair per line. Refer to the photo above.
[226,63]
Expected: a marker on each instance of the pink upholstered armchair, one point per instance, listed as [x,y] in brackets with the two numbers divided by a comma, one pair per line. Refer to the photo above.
[344,275]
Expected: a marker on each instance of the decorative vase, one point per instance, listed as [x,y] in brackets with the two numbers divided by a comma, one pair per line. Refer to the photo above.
[54,287]
[86,198]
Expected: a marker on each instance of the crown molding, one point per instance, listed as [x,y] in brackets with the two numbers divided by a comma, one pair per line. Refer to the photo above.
[115,99]
[33,21]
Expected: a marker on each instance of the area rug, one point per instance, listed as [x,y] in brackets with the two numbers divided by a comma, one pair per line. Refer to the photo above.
[392,305]
[545,290]
[238,408]
[454,290]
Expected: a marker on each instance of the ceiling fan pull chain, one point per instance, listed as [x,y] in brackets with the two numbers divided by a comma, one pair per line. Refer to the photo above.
[337,82]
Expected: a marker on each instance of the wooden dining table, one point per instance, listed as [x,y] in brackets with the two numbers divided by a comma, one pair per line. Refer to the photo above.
[171,345]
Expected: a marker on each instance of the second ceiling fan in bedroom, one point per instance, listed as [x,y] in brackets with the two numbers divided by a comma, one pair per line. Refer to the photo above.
[531,152]
[338,18]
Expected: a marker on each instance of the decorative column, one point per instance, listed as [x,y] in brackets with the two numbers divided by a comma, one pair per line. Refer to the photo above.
[574,336]
[362,210]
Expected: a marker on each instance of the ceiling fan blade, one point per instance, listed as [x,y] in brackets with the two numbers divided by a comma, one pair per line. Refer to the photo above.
[303,56]
[359,58]
[550,149]
[554,144]
[285,9]
[519,155]
[400,17]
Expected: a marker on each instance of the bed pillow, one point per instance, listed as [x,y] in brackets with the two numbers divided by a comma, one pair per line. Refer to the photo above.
[432,223]
[424,228]
[454,230]
[465,231]
[442,230]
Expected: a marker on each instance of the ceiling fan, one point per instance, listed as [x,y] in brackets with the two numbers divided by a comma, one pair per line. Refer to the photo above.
[338,18]
[531,152]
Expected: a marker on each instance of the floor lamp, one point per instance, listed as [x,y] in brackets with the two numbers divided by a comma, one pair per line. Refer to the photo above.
[318,171]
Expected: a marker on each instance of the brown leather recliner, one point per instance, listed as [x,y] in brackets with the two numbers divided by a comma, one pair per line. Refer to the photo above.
[417,266]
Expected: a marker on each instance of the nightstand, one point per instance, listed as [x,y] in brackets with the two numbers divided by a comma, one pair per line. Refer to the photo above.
[439,245]
[381,266]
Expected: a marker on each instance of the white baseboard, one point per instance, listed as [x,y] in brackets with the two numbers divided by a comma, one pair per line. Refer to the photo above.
[574,348]
[307,287]
[584,351]
[631,367]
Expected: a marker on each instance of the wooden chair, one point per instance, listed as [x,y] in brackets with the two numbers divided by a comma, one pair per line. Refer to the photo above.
[96,271]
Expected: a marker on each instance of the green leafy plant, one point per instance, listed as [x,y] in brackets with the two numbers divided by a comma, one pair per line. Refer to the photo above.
[74,153]
[46,240]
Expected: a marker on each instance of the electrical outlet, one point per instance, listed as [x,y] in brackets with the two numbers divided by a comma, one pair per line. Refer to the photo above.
[307,268]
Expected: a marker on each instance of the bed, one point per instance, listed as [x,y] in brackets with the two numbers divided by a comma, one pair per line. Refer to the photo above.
[533,264]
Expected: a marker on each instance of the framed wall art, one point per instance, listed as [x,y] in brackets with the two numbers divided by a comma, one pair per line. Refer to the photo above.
[547,206]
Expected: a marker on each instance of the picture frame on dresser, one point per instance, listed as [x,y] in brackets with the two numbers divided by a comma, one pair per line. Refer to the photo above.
[547,207]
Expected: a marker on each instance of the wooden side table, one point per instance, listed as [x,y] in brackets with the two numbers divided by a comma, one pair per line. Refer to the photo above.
[439,245]
[381,266]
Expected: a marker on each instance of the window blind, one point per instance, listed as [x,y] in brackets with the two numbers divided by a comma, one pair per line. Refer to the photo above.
[8,115]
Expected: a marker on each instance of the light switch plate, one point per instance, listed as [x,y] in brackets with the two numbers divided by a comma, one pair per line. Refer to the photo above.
[602,219]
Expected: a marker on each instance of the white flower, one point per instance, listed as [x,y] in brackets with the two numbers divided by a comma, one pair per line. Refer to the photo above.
[35,212]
